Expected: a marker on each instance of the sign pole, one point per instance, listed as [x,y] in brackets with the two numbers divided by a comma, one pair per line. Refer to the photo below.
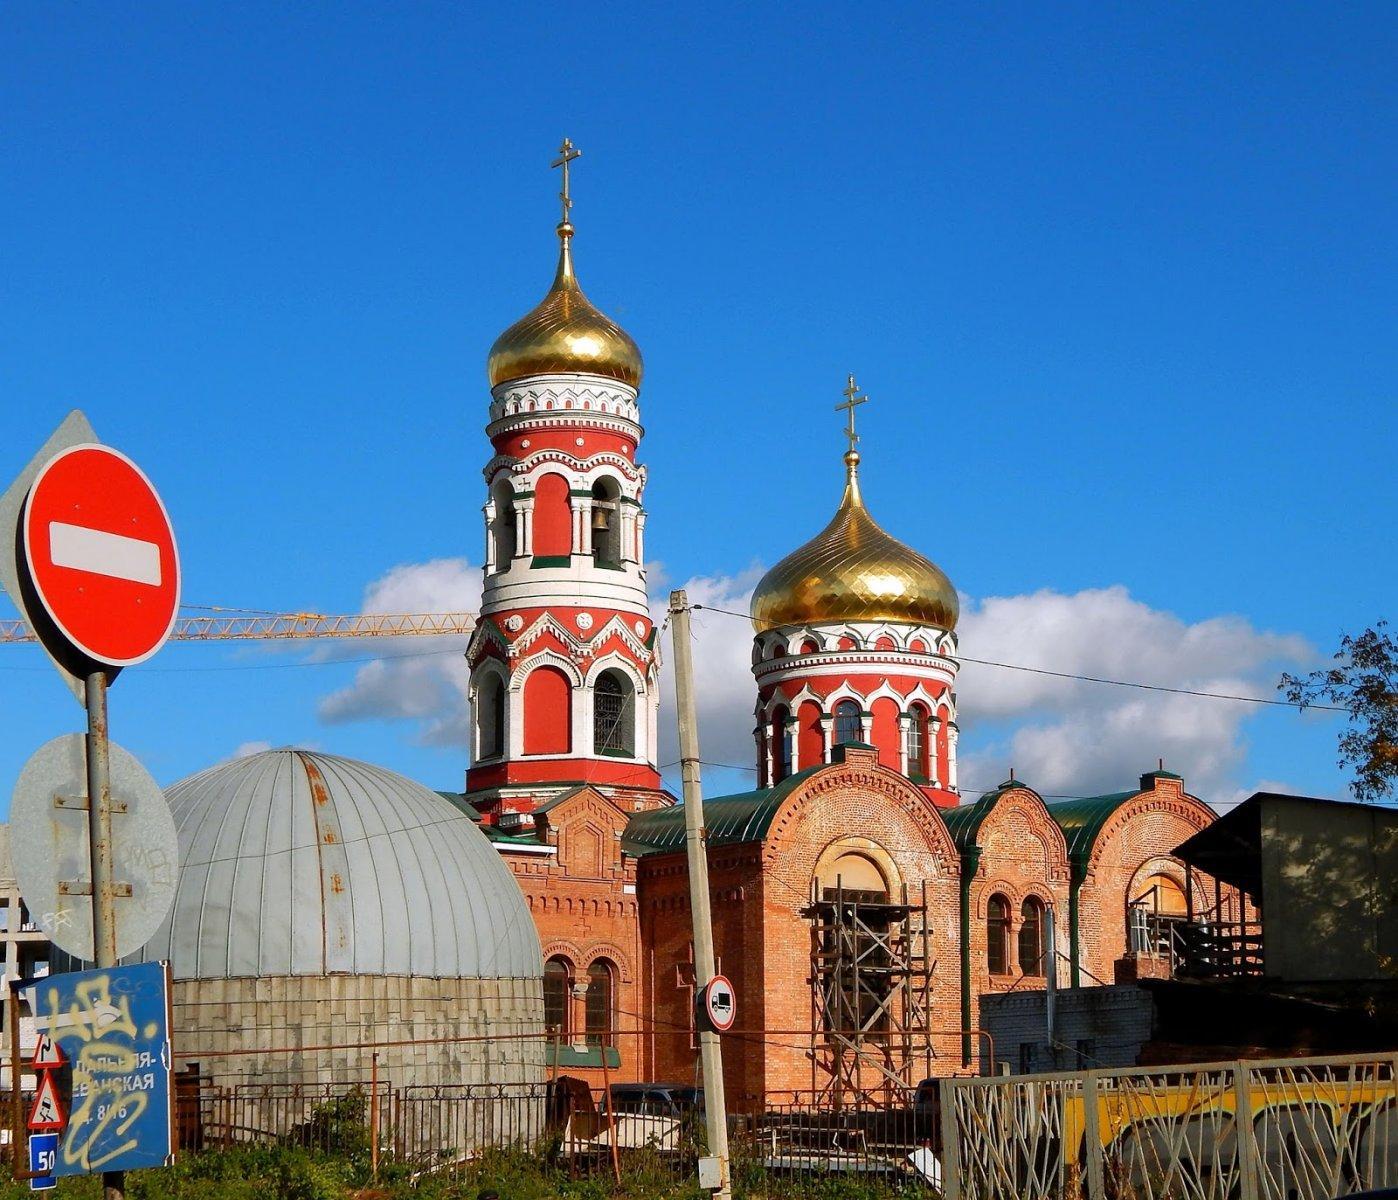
[711,1059]
[99,827]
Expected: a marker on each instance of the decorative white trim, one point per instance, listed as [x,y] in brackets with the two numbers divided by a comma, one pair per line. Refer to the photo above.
[545,658]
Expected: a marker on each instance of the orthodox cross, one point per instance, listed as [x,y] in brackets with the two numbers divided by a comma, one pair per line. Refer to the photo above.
[566,153]
[852,400]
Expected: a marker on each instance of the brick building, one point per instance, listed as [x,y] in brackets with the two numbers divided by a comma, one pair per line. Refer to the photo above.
[862,905]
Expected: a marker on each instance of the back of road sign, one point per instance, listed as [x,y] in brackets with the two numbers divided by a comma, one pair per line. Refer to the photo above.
[74,431]
[49,844]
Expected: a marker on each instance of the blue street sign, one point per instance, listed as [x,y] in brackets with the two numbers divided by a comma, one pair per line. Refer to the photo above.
[43,1157]
[113,1026]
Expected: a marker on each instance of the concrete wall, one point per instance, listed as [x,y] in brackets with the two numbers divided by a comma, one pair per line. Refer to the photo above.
[1094,1027]
[254,1017]
[1329,891]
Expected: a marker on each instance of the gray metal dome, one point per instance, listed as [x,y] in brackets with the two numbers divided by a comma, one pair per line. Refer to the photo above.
[295,863]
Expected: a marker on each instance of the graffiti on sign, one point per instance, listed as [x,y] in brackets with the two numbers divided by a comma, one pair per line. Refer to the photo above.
[112,1025]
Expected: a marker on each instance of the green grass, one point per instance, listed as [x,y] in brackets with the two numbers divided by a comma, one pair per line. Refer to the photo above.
[295,1173]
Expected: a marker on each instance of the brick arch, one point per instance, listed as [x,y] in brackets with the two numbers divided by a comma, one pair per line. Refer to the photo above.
[1174,870]
[1191,814]
[614,954]
[998,885]
[563,949]
[1023,809]
[865,775]
[1143,829]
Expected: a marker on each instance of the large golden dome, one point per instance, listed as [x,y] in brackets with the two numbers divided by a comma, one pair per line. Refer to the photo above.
[565,335]
[853,571]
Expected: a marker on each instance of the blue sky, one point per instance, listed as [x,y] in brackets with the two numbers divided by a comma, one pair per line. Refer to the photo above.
[1120,279]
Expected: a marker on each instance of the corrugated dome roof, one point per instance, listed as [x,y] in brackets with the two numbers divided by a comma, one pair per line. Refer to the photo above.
[297,863]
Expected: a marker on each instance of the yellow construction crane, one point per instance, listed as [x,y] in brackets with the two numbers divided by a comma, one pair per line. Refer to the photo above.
[242,625]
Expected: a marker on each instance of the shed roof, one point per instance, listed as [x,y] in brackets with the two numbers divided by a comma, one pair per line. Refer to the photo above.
[728,820]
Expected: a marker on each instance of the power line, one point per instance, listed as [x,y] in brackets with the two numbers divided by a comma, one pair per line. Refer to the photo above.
[1149,687]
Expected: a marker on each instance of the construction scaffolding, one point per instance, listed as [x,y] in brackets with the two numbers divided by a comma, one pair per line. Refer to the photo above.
[871,995]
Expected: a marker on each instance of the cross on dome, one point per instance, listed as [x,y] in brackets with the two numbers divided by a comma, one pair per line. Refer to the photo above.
[852,400]
[566,154]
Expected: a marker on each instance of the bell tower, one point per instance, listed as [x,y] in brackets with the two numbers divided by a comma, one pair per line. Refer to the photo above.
[563,662]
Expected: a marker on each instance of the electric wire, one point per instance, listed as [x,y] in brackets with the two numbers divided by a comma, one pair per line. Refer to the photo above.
[1150,687]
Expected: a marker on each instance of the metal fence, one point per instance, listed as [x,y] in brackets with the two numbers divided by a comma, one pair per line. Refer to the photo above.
[1286,1129]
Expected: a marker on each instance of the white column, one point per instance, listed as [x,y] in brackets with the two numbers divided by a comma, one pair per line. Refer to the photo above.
[585,508]
[866,728]
[641,536]
[934,758]
[764,770]
[905,724]
[524,528]
[827,737]
[952,734]
[575,508]
[489,511]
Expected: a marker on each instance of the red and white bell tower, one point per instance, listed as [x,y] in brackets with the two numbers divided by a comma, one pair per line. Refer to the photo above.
[563,663]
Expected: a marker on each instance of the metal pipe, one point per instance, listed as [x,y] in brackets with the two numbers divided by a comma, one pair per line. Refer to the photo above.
[374,1116]
[970,864]
[99,833]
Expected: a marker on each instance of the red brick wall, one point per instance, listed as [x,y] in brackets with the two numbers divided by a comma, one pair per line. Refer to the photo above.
[583,908]
[584,904]
[1022,854]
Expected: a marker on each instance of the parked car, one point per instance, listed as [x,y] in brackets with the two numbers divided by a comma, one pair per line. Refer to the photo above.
[656,1099]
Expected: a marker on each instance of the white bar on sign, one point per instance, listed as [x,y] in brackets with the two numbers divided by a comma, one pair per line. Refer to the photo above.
[104,553]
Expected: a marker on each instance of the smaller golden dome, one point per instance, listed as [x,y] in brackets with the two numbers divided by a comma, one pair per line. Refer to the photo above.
[565,335]
[854,571]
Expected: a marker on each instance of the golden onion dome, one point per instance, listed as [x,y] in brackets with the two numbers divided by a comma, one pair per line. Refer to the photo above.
[565,334]
[854,571]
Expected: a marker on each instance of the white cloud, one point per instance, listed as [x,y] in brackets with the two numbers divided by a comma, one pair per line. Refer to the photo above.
[1067,736]
[248,749]
[1063,736]
[722,652]
[417,679]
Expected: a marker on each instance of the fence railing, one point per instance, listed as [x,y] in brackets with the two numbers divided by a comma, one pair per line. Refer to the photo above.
[1286,1129]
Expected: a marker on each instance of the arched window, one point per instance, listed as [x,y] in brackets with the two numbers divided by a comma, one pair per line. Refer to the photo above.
[553,518]
[809,646]
[606,523]
[1154,915]
[997,935]
[598,1003]
[848,726]
[558,988]
[1032,946]
[490,717]
[548,717]
[502,525]
[614,715]
[781,745]
[919,743]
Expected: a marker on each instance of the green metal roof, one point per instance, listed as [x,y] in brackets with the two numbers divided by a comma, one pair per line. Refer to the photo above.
[730,820]
[1082,818]
[964,821]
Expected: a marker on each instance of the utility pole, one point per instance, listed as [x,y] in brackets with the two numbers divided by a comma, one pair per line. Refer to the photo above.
[99,840]
[1051,980]
[710,1057]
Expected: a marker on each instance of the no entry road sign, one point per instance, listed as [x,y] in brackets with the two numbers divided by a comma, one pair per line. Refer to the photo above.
[100,553]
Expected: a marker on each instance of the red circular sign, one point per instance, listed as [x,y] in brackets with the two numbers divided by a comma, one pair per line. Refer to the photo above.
[101,554]
[720,1003]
